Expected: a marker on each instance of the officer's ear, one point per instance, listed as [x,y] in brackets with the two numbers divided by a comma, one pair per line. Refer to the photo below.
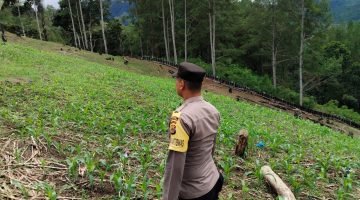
[181,84]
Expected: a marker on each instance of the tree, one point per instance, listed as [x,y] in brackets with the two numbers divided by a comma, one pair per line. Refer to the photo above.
[19,15]
[185,31]
[73,25]
[165,31]
[212,33]
[82,45]
[172,20]
[102,26]
[114,33]
[301,61]
[83,26]
[36,7]
[1,3]
[273,44]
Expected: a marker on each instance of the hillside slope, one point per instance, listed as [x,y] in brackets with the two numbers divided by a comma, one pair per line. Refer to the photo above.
[345,10]
[75,128]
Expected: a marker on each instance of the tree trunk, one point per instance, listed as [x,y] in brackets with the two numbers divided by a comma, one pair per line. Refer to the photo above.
[185,45]
[90,35]
[301,52]
[79,25]
[141,47]
[102,26]
[1,3]
[141,42]
[19,14]
[44,28]
[212,34]
[164,29]
[78,40]
[83,24]
[213,61]
[73,25]
[277,184]
[274,50]
[172,17]
[37,20]
[167,38]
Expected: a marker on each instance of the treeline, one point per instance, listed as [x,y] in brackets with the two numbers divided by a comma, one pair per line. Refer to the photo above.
[29,18]
[292,46]
[85,24]
[293,42]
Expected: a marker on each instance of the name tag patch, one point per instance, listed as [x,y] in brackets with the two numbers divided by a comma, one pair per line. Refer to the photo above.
[178,137]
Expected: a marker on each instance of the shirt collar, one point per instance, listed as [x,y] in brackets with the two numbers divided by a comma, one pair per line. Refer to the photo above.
[193,99]
[190,100]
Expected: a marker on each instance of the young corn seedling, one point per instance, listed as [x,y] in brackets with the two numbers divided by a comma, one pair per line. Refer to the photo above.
[145,187]
[21,187]
[130,185]
[117,179]
[90,164]
[50,192]
[72,167]
[227,164]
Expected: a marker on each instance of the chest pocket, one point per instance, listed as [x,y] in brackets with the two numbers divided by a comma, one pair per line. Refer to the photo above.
[179,139]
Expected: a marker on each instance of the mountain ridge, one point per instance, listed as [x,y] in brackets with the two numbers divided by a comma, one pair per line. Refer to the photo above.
[341,10]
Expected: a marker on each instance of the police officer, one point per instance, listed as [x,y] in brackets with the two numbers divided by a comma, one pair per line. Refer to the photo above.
[190,169]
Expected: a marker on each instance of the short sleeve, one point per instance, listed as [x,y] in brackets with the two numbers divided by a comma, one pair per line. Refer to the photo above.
[179,137]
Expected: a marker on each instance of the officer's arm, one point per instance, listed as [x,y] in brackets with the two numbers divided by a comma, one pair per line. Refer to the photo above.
[173,175]
[176,161]
[218,123]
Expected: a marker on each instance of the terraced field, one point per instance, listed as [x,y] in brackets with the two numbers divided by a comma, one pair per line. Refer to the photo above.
[72,128]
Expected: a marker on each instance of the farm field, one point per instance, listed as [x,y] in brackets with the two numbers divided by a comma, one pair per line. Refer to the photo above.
[72,127]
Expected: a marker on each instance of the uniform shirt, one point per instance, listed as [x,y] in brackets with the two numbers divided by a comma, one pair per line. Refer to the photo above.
[190,169]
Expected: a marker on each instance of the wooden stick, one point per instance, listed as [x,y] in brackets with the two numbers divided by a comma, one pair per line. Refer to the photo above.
[276,183]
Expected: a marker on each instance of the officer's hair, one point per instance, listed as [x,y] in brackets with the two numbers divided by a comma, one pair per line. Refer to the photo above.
[193,86]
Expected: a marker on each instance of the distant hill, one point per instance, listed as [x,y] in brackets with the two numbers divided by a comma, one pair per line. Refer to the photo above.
[342,10]
[345,10]
[119,8]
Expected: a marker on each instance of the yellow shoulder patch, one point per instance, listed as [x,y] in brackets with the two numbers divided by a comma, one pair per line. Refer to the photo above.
[179,139]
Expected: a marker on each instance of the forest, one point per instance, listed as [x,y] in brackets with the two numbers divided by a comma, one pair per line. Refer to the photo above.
[290,49]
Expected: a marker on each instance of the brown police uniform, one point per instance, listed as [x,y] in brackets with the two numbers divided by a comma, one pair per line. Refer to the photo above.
[190,169]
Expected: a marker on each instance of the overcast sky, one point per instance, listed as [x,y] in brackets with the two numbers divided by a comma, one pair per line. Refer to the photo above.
[51,2]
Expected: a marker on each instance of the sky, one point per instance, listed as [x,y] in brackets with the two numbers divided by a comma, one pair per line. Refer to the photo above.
[51,2]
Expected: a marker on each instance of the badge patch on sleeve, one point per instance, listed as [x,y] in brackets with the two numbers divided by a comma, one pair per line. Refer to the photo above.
[178,137]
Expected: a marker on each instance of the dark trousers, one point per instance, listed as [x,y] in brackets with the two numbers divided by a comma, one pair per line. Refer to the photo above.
[214,192]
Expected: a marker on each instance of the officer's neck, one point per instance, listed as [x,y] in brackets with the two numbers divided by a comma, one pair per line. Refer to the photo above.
[190,94]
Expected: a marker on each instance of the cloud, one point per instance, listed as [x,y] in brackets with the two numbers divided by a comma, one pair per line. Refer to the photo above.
[54,3]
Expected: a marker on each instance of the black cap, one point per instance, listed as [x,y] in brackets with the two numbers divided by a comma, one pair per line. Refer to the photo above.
[190,72]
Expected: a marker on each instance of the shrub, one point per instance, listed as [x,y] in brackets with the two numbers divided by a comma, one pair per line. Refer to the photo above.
[350,101]
[333,107]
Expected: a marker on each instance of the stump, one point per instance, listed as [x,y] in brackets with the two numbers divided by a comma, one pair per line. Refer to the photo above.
[126,61]
[242,143]
[297,113]
[276,183]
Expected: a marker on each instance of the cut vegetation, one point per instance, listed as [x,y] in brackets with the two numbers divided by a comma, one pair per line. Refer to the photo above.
[71,127]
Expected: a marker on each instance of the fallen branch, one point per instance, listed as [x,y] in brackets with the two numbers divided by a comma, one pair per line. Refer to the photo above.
[34,165]
[276,183]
